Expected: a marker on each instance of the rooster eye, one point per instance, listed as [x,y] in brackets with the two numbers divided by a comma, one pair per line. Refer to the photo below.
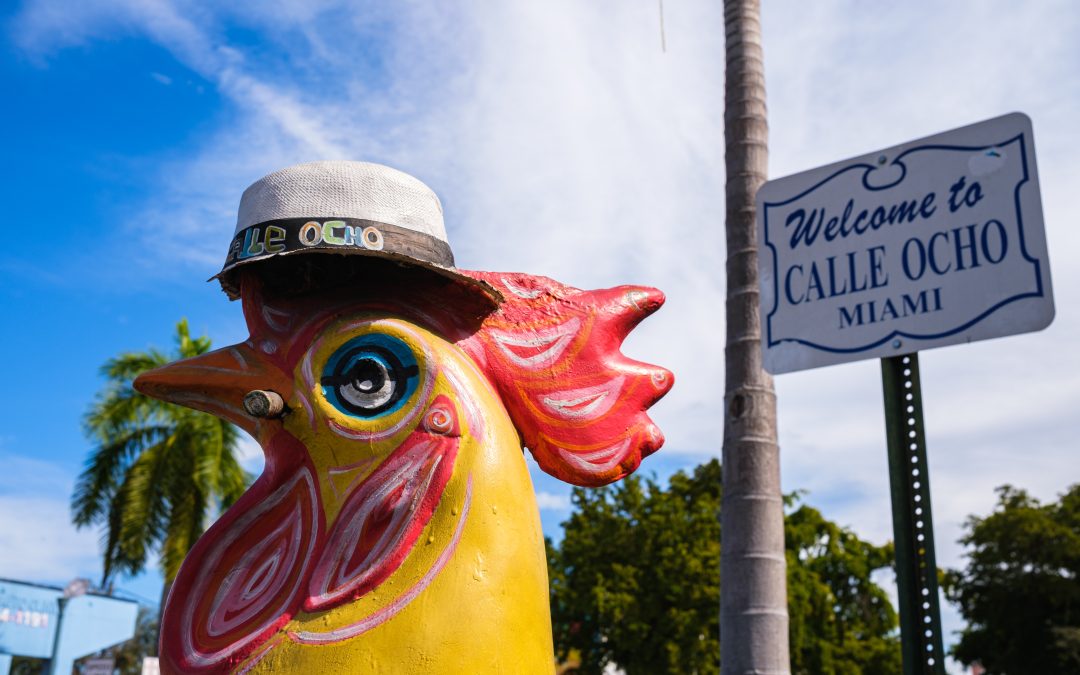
[370,375]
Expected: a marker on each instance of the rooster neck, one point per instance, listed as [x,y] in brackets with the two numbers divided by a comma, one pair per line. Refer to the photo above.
[471,594]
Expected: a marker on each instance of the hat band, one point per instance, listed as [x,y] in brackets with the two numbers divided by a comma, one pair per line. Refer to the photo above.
[337,235]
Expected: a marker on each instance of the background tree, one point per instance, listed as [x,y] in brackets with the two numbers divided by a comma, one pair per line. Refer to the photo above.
[842,622]
[753,619]
[158,473]
[22,665]
[1020,591]
[635,583]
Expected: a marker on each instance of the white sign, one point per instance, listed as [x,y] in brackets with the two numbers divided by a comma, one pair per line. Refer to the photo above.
[150,666]
[98,667]
[931,243]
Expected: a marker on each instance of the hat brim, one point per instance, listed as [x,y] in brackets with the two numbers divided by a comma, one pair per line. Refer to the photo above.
[228,277]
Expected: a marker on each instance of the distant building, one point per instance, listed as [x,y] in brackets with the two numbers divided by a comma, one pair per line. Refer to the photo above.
[58,624]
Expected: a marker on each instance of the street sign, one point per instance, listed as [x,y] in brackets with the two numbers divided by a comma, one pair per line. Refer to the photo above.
[931,243]
[98,667]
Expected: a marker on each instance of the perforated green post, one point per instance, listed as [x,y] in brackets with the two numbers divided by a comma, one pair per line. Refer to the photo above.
[913,531]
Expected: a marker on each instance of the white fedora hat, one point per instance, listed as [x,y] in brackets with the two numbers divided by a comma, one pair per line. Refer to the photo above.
[344,208]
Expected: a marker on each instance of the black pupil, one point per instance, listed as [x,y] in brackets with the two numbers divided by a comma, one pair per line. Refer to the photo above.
[369,379]
[367,376]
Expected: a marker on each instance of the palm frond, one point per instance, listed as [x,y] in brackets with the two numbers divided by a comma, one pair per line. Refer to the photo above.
[187,520]
[119,407]
[187,346]
[129,365]
[104,472]
[145,506]
[232,479]
[110,544]
[157,470]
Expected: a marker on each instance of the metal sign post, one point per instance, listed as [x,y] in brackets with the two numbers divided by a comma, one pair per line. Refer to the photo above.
[913,530]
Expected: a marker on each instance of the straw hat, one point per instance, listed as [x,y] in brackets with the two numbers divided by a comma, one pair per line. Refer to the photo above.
[343,208]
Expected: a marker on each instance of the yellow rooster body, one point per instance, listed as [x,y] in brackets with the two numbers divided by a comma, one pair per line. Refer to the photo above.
[491,604]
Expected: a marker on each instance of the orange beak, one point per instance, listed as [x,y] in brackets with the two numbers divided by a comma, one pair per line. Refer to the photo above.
[216,382]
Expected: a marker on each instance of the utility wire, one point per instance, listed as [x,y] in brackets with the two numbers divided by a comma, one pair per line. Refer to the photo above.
[663,39]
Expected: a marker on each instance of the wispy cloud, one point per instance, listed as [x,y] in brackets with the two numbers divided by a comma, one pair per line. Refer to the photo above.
[41,544]
[250,454]
[549,501]
[37,540]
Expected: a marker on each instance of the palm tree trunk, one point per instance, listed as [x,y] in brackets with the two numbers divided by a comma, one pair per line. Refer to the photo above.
[753,604]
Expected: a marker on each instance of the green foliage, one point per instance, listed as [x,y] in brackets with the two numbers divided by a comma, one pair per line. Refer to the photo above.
[842,623]
[158,472]
[635,579]
[23,665]
[1020,591]
[636,582]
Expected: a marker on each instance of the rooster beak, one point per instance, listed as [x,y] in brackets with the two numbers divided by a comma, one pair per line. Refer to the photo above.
[217,382]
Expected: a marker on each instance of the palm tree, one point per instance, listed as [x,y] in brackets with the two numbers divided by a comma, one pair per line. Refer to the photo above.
[159,473]
[753,604]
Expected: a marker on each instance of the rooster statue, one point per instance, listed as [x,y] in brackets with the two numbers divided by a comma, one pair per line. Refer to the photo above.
[394,528]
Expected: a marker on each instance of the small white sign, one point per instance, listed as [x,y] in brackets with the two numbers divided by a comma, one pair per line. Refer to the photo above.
[931,243]
[150,666]
[98,667]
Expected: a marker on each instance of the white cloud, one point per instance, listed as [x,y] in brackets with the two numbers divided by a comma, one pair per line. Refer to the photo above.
[250,454]
[37,539]
[549,501]
[41,542]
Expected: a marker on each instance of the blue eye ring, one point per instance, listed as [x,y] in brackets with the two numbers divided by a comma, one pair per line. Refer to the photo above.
[370,376]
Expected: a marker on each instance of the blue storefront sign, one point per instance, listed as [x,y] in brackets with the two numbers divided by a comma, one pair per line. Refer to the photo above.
[28,616]
[40,622]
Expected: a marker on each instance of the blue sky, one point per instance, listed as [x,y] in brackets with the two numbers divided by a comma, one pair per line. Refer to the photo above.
[562,141]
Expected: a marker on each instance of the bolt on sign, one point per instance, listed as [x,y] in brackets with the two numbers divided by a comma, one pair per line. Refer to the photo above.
[934,242]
